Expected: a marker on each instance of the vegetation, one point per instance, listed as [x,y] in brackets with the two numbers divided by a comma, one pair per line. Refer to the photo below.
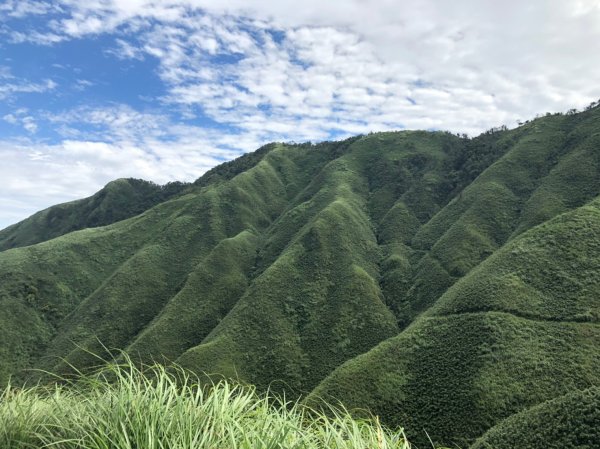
[124,407]
[567,421]
[441,282]
[117,201]
[519,329]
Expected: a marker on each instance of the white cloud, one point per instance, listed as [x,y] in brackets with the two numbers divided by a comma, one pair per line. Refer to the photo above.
[30,125]
[81,85]
[358,63]
[10,118]
[276,70]
[22,8]
[20,117]
[10,85]
[511,60]
[35,37]
[125,50]
[309,82]
[124,143]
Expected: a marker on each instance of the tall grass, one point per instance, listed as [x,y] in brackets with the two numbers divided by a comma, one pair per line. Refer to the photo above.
[124,407]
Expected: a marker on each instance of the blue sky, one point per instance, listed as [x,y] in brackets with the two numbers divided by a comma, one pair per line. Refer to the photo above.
[165,89]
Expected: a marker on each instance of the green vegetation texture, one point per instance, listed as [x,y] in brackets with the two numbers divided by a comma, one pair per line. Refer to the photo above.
[123,407]
[567,421]
[443,283]
[118,200]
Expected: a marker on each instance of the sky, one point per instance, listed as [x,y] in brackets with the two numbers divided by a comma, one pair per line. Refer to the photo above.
[163,90]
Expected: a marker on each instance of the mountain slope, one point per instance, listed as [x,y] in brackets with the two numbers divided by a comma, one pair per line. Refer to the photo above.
[117,201]
[445,283]
[567,421]
[521,328]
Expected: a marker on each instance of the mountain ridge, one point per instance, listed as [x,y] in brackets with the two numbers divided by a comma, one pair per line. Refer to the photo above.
[349,270]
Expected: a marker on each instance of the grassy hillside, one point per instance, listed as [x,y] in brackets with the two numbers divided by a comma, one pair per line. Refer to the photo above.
[521,328]
[117,201]
[567,421]
[443,282]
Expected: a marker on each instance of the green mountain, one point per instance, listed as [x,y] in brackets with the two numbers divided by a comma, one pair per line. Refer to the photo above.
[117,201]
[446,284]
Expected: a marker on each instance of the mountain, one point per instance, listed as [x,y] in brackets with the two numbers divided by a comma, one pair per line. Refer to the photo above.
[444,283]
[117,201]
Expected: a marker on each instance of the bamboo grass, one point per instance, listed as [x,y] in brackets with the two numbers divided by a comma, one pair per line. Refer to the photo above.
[154,407]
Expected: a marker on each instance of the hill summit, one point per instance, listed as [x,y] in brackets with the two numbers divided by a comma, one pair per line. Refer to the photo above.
[447,284]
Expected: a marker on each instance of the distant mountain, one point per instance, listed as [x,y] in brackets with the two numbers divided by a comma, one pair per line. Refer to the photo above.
[118,200]
[444,283]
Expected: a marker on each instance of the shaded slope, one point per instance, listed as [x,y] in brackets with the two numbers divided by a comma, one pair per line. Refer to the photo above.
[498,341]
[117,201]
[567,421]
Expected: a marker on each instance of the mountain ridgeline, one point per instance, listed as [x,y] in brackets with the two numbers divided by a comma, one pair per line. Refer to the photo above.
[448,285]
[117,201]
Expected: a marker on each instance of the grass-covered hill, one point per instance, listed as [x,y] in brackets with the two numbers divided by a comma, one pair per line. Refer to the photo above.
[444,283]
[117,201]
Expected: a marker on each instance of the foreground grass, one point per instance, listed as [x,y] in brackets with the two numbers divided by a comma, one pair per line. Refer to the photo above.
[124,407]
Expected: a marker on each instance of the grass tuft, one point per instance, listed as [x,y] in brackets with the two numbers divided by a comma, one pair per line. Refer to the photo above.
[154,407]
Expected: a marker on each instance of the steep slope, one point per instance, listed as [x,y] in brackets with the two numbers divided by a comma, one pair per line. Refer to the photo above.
[521,328]
[117,201]
[291,214]
[567,421]
[298,217]
[553,154]
[445,283]
[179,235]
[425,377]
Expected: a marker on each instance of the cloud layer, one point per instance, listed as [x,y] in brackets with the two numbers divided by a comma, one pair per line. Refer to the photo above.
[235,74]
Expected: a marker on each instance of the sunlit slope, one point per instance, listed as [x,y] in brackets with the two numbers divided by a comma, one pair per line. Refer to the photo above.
[117,201]
[278,233]
[521,328]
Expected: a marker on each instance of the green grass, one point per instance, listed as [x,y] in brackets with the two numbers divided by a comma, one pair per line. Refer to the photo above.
[124,407]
